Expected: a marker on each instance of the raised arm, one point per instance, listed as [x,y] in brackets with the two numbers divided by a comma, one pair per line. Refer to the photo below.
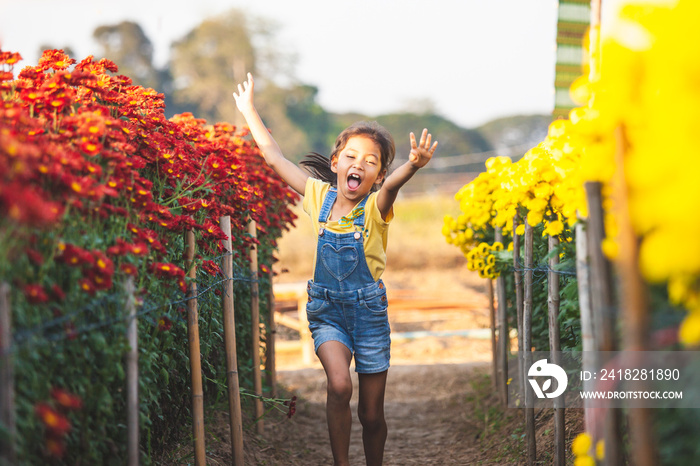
[420,155]
[294,176]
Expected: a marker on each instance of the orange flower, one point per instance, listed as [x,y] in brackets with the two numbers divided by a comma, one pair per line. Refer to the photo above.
[56,422]
[66,399]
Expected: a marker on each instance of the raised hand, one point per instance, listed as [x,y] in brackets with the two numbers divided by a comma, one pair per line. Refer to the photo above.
[244,98]
[421,152]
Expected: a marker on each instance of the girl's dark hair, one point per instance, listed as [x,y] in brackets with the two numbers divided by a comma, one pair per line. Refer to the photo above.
[319,166]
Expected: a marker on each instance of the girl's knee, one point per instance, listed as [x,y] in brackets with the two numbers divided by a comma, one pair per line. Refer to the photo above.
[340,390]
[371,419]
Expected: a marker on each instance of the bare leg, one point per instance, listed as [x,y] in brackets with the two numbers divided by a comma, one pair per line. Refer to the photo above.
[335,358]
[371,413]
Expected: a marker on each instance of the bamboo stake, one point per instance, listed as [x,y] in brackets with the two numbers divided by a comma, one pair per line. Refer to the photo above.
[195,361]
[527,347]
[635,308]
[234,390]
[589,360]
[132,376]
[270,363]
[518,279]
[7,379]
[555,349]
[604,315]
[255,330]
[494,348]
[503,335]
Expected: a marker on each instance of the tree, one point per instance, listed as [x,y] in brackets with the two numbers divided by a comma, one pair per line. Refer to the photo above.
[127,45]
[214,57]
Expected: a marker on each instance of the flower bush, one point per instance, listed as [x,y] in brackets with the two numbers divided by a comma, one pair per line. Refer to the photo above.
[634,132]
[97,186]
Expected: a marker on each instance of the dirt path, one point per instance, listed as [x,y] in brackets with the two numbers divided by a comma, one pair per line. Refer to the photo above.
[424,412]
[433,367]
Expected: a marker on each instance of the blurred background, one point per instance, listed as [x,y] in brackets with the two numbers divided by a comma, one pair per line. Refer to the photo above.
[480,75]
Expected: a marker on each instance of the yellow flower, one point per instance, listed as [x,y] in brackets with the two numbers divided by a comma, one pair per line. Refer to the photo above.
[553,228]
[534,218]
[689,332]
[600,450]
[582,444]
[610,248]
[584,461]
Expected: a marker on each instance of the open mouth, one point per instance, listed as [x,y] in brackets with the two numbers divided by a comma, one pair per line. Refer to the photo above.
[354,181]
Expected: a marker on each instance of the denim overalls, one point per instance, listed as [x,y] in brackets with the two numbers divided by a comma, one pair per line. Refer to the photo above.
[345,303]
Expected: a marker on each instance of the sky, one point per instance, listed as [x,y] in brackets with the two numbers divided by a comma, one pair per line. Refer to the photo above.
[474,60]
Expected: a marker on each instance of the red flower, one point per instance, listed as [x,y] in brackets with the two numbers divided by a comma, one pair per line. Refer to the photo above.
[211,267]
[56,422]
[9,58]
[55,446]
[57,293]
[164,324]
[28,205]
[129,269]
[66,399]
[103,264]
[87,286]
[74,255]
[138,249]
[35,294]
[35,257]
[167,270]
[292,406]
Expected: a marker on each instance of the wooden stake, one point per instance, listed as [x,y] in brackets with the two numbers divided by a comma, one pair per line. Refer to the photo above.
[518,279]
[234,389]
[589,361]
[527,347]
[494,347]
[555,349]
[195,361]
[635,309]
[7,380]
[604,314]
[503,335]
[270,366]
[132,376]
[255,330]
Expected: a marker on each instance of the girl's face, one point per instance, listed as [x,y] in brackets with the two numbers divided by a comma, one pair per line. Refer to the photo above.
[358,167]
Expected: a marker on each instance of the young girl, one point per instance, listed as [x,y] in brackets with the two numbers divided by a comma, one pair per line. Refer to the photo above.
[347,307]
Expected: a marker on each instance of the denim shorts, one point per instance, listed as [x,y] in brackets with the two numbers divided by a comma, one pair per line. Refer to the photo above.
[357,318]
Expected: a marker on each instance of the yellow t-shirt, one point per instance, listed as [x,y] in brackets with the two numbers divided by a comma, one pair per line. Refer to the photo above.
[375,240]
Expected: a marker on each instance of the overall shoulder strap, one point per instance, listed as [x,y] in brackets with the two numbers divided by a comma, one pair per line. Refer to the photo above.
[327,205]
[360,219]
